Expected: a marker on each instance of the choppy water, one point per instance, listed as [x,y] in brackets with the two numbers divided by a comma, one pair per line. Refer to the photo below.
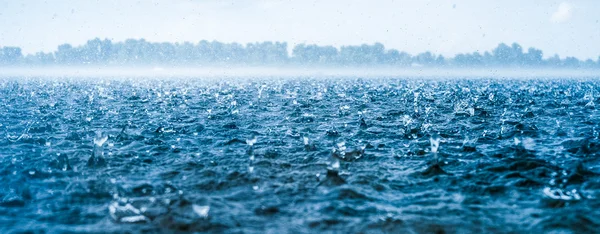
[299,156]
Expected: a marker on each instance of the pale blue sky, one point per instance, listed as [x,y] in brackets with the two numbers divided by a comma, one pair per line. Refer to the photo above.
[569,28]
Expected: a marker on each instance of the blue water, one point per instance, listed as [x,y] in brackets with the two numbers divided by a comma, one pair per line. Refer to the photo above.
[271,155]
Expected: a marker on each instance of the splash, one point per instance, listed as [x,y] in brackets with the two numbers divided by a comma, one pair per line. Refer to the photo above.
[435,143]
[251,142]
[100,139]
[201,211]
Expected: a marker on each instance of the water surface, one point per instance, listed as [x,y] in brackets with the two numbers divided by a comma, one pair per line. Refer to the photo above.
[372,155]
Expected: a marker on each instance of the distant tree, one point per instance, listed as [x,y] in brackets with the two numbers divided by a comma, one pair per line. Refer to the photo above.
[142,52]
[95,51]
[10,55]
[533,57]
[394,57]
[363,54]
[275,53]
[554,61]
[502,54]
[40,58]
[65,54]
[571,62]
[440,61]
[312,54]
[488,59]
[517,54]
[467,60]
[589,63]
[425,59]
[184,53]
[508,55]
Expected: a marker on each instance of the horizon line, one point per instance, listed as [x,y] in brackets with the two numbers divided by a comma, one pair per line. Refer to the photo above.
[291,72]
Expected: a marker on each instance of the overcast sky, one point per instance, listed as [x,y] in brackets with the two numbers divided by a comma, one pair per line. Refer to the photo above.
[569,28]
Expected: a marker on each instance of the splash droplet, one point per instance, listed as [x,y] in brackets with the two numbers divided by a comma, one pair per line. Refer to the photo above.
[435,143]
[201,211]
[251,142]
[99,140]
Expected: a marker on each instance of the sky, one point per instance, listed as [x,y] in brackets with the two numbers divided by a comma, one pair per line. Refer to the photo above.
[567,28]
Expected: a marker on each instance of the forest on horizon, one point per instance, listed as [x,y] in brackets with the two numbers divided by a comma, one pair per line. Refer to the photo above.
[205,53]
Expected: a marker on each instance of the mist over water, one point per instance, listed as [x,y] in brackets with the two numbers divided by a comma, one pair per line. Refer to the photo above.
[276,153]
[235,73]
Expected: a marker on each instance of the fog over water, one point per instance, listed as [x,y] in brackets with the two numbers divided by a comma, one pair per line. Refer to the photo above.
[291,72]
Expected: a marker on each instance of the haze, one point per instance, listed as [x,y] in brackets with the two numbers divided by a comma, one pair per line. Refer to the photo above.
[567,28]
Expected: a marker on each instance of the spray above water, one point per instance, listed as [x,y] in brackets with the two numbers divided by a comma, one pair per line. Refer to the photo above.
[100,139]
[201,211]
[251,142]
[97,158]
[250,152]
[435,143]
[435,166]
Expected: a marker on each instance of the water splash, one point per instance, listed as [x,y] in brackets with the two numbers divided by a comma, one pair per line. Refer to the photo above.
[416,101]
[251,142]
[463,108]
[341,148]
[589,97]
[559,194]
[97,158]
[435,143]
[201,211]
[528,143]
[517,141]
[100,139]
[307,145]
[24,134]
[334,164]
[406,120]
[590,104]
[126,213]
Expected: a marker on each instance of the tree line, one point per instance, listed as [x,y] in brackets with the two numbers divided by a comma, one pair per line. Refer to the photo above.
[142,52]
